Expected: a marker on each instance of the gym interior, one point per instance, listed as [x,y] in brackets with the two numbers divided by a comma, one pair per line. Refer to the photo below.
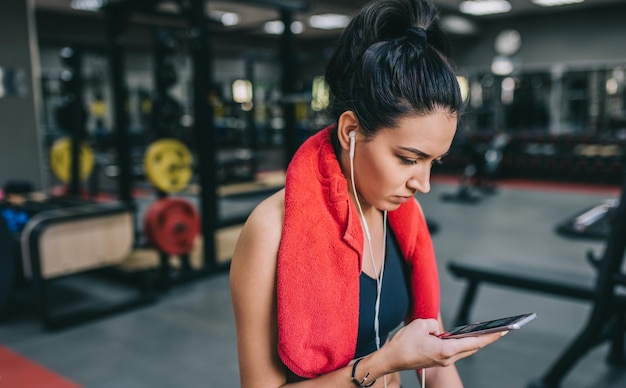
[138,135]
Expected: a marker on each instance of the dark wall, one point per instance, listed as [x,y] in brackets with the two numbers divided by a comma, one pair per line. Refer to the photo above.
[19,132]
[580,39]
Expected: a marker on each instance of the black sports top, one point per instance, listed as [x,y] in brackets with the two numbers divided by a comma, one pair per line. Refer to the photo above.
[394,299]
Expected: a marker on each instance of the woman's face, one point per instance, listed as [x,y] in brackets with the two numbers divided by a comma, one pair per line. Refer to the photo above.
[395,164]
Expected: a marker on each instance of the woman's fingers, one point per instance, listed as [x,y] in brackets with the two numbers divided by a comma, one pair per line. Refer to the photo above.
[463,347]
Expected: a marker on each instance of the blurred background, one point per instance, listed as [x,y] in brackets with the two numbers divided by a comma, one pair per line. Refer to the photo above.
[548,73]
[138,135]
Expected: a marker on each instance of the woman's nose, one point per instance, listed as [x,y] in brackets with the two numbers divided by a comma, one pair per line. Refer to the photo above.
[420,181]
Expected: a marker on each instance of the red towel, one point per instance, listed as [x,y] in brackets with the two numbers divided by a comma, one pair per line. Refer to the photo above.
[319,263]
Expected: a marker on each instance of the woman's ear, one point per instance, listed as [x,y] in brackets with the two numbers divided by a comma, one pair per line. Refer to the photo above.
[348,122]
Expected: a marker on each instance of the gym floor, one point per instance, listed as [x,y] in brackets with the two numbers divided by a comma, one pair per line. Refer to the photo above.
[187,338]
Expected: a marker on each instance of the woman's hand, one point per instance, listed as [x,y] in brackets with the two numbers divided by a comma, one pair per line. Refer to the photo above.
[417,346]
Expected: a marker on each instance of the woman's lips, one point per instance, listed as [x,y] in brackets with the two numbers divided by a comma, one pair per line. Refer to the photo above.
[402,199]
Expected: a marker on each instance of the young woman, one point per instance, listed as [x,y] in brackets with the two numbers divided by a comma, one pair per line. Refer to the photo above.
[326,268]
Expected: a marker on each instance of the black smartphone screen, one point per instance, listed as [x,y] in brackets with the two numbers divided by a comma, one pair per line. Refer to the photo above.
[486,327]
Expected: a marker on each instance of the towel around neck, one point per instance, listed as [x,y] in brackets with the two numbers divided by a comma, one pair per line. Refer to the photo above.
[319,262]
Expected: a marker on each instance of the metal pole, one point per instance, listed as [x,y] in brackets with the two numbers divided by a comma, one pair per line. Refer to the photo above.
[77,126]
[288,62]
[204,132]
[252,130]
[116,20]
[251,124]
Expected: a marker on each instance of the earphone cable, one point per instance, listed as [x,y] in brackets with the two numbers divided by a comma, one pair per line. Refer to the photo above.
[379,278]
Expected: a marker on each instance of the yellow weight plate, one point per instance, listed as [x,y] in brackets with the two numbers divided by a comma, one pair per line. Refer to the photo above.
[168,165]
[61,160]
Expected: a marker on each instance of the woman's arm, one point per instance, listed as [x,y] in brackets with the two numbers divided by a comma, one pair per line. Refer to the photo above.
[253,290]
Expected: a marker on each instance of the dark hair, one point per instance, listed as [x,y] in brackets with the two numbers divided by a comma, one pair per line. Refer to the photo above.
[391,62]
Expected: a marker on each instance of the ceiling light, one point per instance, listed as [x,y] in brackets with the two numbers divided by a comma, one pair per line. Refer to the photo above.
[276,27]
[508,42]
[297,27]
[502,66]
[552,3]
[612,86]
[242,91]
[485,7]
[87,5]
[226,18]
[168,7]
[458,25]
[508,84]
[329,21]
[507,94]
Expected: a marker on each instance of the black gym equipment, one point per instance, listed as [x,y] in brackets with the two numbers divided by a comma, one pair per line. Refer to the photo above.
[71,256]
[13,217]
[483,169]
[7,265]
[71,114]
[607,320]
[592,223]
[55,251]
[166,110]
[192,14]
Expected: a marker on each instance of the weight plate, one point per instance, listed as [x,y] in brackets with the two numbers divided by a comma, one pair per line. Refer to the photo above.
[168,165]
[172,225]
[61,160]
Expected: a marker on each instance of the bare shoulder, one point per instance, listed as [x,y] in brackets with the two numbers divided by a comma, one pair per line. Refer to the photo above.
[267,217]
[260,235]
[253,290]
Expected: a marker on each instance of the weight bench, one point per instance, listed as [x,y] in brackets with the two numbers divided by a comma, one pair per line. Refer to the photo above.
[60,243]
[563,282]
[603,286]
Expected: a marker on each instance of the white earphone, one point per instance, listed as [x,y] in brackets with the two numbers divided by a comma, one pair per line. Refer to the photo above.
[352,136]
[368,236]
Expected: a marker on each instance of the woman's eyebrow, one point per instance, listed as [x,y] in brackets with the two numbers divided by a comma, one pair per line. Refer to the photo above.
[421,154]
[416,152]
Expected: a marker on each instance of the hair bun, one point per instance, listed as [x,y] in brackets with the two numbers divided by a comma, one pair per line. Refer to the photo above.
[419,33]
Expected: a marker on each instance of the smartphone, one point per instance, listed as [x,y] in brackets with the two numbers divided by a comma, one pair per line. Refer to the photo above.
[494,326]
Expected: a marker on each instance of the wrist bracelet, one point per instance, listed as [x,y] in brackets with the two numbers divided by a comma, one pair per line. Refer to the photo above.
[362,383]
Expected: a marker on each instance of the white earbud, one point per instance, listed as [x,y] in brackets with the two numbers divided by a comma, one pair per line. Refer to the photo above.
[352,135]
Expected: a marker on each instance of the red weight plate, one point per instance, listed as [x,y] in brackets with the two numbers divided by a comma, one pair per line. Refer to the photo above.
[171,225]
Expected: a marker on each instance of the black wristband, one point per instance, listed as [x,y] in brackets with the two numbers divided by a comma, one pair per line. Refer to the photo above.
[357,382]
